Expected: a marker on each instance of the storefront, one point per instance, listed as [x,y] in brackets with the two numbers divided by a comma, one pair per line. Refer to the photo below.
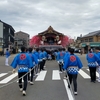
[85,47]
[95,44]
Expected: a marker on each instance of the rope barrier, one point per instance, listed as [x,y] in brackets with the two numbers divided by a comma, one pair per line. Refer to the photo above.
[16,79]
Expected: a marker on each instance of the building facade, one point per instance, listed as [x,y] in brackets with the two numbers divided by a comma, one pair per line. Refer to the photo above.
[90,40]
[6,36]
[21,38]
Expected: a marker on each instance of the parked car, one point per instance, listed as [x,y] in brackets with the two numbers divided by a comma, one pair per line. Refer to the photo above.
[77,50]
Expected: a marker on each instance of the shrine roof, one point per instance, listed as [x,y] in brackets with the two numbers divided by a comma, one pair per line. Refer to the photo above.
[50,30]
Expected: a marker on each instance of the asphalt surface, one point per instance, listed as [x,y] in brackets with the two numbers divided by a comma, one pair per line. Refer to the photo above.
[49,88]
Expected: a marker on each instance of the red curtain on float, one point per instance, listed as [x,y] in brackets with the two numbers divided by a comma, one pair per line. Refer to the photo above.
[65,41]
[35,41]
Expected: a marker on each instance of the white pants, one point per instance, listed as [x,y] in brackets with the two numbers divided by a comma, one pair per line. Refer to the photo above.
[6,61]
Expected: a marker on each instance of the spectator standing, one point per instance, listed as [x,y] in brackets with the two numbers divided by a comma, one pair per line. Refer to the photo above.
[7,54]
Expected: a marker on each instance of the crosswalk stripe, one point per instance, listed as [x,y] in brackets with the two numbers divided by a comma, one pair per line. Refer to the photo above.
[96,73]
[70,96]
[56,75]
[9,78]
[2,74]
[41,76]
[83,74]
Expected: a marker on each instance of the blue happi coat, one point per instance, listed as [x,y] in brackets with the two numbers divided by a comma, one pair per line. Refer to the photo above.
[45,55]
[99,58]
[23,62]
[72,64]
[60,56]
[66,55]
[41,56]
[92,59]
[7,54]
[34,58]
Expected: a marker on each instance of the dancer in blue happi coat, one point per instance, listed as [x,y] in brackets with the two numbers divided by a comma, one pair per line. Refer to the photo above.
[36,52]
[23,62]
[60,57]
[64,60]
[55,54]
[41,57]
[92,59]
[66,54]
[35,62]
[45,57]
[72,65]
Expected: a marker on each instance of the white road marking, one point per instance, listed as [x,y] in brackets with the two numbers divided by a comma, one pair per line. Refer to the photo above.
[96,73]
[2,74]
[56,75]
[41,76]
[9,78]
[83,74]
[70,96]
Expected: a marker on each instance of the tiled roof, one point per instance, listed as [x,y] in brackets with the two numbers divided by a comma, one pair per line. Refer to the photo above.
[21,32]
[50,30]
[92,34]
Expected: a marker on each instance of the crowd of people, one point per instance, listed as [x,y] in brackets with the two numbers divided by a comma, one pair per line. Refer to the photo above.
[70,64]
[28,62]
[31,63]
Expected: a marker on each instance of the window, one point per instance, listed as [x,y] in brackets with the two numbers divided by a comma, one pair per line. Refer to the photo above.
[86,40]
[1,40]
[98,39]
[90,39]
[9,38]
[9,30]
[82,40]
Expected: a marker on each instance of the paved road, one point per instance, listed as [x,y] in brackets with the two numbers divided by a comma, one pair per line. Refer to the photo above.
[48,85]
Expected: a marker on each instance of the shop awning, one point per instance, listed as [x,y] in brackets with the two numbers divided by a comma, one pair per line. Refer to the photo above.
[95,44]
[83,44]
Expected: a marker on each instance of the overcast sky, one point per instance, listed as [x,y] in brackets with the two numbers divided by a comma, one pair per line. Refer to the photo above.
[71,17]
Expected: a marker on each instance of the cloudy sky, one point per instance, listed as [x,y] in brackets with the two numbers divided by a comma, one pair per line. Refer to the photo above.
[71,17]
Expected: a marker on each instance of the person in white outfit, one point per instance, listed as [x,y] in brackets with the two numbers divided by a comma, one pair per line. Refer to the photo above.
[7,54]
